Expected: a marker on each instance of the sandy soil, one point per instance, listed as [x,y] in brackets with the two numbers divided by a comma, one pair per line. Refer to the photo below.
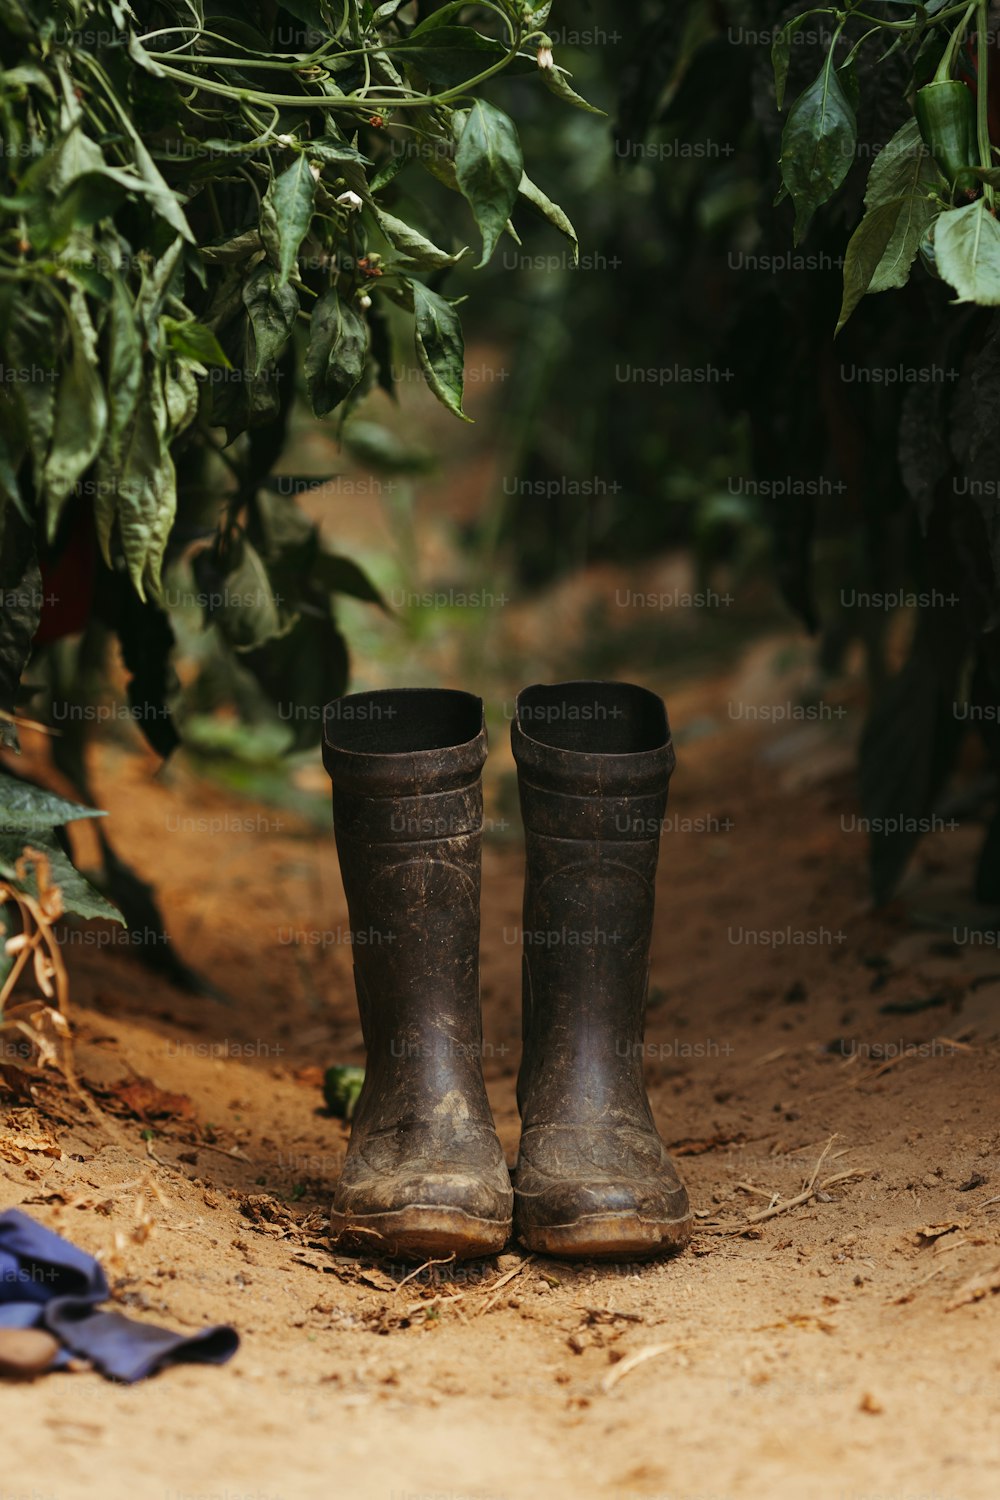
[846,1347]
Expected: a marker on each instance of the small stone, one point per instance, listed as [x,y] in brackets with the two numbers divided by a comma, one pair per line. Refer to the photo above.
[870,1404]
[26,1352]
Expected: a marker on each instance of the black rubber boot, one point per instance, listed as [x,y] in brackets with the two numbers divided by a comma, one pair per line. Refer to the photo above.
[593,1178]
[425,1174]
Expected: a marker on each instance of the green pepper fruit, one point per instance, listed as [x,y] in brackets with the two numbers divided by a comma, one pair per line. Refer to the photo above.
[946,115]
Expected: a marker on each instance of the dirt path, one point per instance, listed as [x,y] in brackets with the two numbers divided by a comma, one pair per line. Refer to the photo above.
[831,1350]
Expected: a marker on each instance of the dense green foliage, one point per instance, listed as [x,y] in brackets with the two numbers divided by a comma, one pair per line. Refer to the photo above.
[197,207]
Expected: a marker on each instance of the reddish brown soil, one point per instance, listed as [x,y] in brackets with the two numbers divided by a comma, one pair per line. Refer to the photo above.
[847,1347]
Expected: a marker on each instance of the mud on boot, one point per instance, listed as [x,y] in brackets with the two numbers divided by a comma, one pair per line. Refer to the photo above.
[425,1174]
[593,1178]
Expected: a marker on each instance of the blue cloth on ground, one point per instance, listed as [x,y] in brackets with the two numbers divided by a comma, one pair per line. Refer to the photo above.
[45,1282]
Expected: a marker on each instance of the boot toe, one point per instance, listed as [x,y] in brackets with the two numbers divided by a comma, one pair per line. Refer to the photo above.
[602,1201]
[430,1201]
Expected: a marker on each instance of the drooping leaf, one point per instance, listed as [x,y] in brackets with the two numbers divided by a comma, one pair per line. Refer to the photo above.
[557,82]
[80,417]
[335,359]
[341,575]
[273,307]
[238,595]
[21,592]
[143,485]
[817,145]
[79,896]
[489,167]
[865,251]
[781,55]
[302,671]
[440,347]
[181,394]
[286,213]
[192,340]
[967,249]
[419,251]
[29,809]
[543,205]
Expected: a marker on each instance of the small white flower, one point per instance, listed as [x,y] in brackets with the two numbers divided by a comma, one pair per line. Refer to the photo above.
[286,140]
[365,302]
[316,170]
[544,57]
[350,200]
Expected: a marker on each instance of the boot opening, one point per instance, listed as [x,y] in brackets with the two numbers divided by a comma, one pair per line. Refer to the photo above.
[593,718]
[401,721]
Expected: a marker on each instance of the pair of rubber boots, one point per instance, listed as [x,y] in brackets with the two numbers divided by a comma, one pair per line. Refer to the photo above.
[425,1174]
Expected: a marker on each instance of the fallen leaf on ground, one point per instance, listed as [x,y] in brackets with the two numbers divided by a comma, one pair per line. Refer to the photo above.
[13,1146]
[141,1098]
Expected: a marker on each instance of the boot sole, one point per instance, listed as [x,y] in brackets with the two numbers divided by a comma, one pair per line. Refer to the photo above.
[420,1232]
[608,1237]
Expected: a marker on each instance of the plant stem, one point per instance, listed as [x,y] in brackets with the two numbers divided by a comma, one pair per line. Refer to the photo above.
[983,94]
[944,67]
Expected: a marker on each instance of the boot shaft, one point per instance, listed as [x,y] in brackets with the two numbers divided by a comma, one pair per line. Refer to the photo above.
[594,760]
[406,769]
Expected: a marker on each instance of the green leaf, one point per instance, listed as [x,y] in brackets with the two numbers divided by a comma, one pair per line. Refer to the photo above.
[420,252]
[450,55]
[124,360]
[865,251]
[273,307]
[31,346]
[489,167]
[181,393]
[390,169]
[79,896]
[440,347]
[29,809]
[238,595]
[162,197]
[80,417]
[557,82]
[438,18]
[21,588]
[335,359]
[903,171]
[817,145]
[336,153]
[342,576]
[144,487]
[781,56]
[543,205]
[967,248]
[287,212]
[302,671]
[192,340]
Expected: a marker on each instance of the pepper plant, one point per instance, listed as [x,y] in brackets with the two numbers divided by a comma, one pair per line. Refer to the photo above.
[200,214]
[931,187]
